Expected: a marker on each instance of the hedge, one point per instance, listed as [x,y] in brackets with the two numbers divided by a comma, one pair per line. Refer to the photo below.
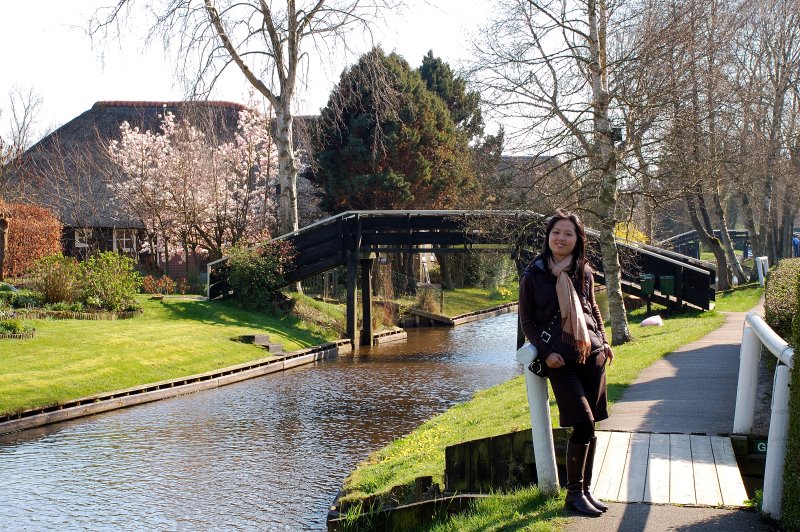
[791,470]
[780,297]
[33,232]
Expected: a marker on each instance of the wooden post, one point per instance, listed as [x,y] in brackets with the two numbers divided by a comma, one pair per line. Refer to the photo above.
[4,221]
[366,300]
[352,271]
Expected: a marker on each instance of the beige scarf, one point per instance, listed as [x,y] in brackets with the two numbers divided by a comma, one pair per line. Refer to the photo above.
[573,323]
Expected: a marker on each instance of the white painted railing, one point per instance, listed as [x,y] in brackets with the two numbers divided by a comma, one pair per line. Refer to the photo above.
[756,332]
[541,428]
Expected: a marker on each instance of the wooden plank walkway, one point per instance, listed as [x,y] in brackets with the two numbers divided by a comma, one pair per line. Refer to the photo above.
[686,469]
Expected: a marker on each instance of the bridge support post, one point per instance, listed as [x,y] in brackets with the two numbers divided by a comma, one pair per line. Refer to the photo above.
[351,311]
[366,300]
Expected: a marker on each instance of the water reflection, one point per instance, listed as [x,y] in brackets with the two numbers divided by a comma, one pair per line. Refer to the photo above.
[265,454]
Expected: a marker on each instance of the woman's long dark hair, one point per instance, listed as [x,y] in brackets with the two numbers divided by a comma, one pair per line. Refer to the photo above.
[578,254]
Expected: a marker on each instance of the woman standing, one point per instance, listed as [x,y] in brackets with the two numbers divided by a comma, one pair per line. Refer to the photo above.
[560,317]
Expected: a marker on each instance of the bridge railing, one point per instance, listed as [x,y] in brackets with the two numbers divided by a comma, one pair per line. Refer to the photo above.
[756,332]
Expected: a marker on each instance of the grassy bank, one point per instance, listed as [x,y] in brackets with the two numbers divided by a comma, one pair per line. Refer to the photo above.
[503,409]
[174,338]
[464,300]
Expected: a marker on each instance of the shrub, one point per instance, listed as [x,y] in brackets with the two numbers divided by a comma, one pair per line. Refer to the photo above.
[33,233]
[500,293]
[791,469]
[5,287]
[26,300]
[57,278]
[256,274]
[160,285]
[780,296]
[428,300]
[14,327]
[628,231]
[488,270]
[110,281]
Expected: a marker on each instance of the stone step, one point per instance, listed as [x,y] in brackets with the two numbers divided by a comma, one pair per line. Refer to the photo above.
[264,341]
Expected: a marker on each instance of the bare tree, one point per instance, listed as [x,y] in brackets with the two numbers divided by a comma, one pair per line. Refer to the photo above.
[24,107]
[267,41]
[774,30]
[548,63]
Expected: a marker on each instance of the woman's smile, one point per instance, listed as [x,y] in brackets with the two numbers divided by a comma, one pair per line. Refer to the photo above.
[562,239]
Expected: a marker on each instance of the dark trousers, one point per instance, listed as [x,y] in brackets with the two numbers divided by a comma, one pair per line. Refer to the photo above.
[580,390]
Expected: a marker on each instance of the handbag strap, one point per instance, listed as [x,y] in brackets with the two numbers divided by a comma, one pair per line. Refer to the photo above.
[548,331]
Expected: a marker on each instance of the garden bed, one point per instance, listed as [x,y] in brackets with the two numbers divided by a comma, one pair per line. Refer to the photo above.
[40,314]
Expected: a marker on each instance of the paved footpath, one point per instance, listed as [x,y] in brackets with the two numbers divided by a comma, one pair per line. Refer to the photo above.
[690,390]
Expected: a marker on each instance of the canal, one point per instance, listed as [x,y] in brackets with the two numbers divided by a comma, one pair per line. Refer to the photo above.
[265,454]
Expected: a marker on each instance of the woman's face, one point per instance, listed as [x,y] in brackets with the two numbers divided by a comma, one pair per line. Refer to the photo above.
[562,239]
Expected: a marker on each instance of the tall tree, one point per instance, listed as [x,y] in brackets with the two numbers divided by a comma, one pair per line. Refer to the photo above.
[464,105]
[266,40]
[368,159]
[547,63]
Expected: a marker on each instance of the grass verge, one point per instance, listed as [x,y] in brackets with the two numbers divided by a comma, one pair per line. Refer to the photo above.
[174,338]
[740,299]
[502,409]
[464,300]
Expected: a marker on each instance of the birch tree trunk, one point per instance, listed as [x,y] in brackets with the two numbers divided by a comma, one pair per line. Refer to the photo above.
[733,261]
[604,160]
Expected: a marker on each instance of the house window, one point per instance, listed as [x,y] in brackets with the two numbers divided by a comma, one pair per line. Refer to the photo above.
[124,240]
[83,235]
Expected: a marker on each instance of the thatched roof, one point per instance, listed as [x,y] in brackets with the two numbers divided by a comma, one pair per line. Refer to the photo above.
[68,170]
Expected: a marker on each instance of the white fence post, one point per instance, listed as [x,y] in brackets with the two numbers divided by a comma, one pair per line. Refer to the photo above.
[541,428]
[762,266]
[776,444]
[749,356]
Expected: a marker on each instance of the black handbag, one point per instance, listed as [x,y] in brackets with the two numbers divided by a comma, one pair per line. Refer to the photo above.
[538,366]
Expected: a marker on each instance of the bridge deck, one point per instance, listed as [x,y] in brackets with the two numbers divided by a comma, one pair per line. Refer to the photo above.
[686,469]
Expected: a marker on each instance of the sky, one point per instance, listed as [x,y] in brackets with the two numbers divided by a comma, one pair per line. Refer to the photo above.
[46,48]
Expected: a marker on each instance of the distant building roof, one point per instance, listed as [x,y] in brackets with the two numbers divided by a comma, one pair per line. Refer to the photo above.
[67,170]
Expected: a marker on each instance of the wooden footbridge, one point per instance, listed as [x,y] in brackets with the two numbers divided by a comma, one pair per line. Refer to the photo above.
[355,239]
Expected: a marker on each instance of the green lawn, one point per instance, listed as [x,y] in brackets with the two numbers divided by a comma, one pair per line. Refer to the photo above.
[175,338]
[739,300]
[464,300]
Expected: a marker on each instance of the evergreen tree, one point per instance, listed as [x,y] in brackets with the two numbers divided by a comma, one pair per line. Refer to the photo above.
[464,106]
[386,142]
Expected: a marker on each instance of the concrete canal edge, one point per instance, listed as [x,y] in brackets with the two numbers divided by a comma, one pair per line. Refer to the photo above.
[148,393]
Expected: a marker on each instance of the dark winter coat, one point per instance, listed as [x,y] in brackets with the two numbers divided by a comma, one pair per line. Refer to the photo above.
[580,389]
[538,304]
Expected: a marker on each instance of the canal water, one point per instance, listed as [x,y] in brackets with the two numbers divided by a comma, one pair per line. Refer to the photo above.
[265,454]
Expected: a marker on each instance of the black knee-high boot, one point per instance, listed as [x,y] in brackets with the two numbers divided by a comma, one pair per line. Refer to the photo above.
[587,477]
[576,462]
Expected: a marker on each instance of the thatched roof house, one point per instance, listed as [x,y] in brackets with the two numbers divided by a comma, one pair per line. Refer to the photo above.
[69,170]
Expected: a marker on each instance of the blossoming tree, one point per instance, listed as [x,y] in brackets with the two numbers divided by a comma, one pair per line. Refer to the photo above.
[191,190]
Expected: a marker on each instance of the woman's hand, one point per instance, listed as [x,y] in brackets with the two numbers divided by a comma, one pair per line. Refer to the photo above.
[609,353]
[554,360]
